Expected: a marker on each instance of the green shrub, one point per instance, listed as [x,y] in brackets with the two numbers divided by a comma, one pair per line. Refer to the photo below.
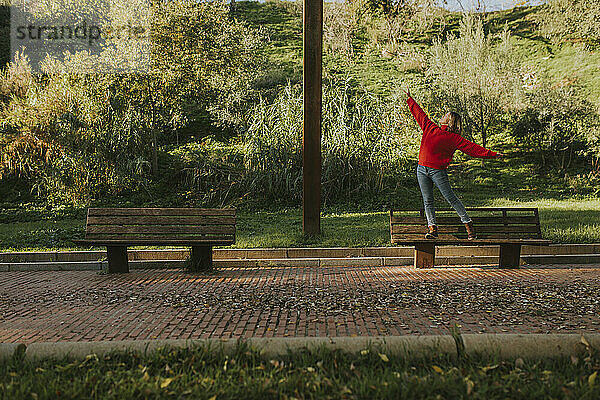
[208,173]
[339,26]
[273,147]
[558,126]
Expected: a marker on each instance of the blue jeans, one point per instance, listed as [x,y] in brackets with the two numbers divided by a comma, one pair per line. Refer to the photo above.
[427,177]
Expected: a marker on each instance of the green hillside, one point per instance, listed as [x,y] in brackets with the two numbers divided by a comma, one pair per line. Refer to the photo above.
[565,63]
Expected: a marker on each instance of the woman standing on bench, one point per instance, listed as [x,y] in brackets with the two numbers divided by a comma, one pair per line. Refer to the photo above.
[438,145]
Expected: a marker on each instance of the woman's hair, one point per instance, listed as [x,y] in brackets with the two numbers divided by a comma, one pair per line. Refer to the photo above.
[453,120]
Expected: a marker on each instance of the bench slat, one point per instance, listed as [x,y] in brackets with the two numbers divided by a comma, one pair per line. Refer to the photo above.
[520,220]
[126,238]
[413,236]
[160,211]
[400,237]
[458,241]
[160,229]
[160,220]
[422,229]
[479,229]
[476,209]
[154,242]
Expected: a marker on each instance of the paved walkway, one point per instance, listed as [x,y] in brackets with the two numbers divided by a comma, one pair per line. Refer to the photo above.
[296,301]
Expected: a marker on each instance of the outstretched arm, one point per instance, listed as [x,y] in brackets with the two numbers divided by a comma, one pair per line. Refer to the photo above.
[422,119]
[475,150]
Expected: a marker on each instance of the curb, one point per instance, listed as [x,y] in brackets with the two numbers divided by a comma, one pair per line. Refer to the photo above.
[441,261]
[447,256]
[8,350]
[503,346]
[297,252]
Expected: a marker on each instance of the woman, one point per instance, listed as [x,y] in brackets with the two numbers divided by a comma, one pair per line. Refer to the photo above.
[438,145]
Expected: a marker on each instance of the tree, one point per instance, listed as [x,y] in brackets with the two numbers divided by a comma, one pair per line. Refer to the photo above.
[474,77]
[571,20]
[557,126]
[80,133]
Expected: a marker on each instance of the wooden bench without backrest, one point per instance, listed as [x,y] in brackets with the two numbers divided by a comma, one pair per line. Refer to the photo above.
[117,228]
[505,226]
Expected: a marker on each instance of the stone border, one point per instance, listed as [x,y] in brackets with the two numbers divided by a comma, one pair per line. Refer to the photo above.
[295,253]
[576,261]
[503,346]
[299,257]
[443,262]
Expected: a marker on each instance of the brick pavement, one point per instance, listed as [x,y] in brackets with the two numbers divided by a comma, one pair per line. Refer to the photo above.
[296,301]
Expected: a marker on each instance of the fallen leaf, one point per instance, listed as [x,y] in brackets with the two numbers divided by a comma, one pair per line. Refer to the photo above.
[491,367]
[345,390]
[585,342]
[384,357]
[166,382]
[592,378]
[470,385]
[438,369]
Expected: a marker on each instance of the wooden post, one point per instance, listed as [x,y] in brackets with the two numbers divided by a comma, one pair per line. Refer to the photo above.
[510,255]
[311,141]
[201,258]
[424,255]
[117,259]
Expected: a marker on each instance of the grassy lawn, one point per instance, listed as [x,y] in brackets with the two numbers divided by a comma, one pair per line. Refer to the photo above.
[569,220]
[321,373]
[565,217]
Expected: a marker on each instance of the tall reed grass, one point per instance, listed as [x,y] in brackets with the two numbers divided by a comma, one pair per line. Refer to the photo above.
[365,143]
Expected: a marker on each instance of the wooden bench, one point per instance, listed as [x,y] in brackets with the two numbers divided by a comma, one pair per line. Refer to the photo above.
[508,227]
[117,228]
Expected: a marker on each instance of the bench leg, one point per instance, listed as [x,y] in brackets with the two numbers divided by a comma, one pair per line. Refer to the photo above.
[201,258]
[117,259]
[424,255]
[510,255]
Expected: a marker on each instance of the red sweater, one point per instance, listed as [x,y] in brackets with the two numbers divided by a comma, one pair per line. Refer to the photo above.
[438,145]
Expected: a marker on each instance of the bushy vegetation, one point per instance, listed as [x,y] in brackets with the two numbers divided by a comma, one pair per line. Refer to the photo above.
[79,136]
[364,144]
[558,126]
[217,118]
[571,20]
